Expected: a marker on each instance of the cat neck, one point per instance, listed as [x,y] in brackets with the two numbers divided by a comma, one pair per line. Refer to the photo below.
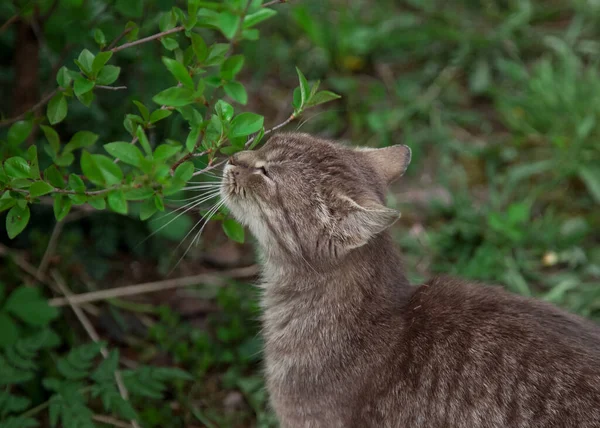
[375,269]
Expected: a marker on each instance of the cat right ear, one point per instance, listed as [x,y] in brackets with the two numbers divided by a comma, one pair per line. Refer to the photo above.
[390,162]
[362,221]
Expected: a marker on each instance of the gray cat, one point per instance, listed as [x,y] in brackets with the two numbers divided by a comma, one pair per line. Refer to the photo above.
[350,343]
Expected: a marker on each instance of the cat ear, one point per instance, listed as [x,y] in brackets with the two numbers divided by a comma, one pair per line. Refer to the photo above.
[363,221]
[390,162]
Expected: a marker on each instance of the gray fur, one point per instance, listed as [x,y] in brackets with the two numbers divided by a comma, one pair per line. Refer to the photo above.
[349,343]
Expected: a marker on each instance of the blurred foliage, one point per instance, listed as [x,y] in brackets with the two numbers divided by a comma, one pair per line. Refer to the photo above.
[498,99]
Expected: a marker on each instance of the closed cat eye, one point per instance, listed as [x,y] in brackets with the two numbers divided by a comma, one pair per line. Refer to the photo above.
[263,171]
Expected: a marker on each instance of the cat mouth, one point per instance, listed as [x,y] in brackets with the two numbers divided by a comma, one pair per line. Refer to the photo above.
[230,186]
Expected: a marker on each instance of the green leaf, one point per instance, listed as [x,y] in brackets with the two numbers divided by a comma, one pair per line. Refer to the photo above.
[82,85]
[57,109]
[9,333]
[86,99]
[165,151]
[159,114]
[126,152]
[61,207]
[143,110]
[110,171]
[19,131]
[27,304]
[17,167]
[228,23]
[63,78]
[175,97]
[216,54]
[147,209]
[297,99]
[178,71]
[159,203]
[76,183]
[108,75]
[224,110]
[322,97]
[257,138]
[54,177]
[193,6]
[144,140]
[17,220]
[258,17]
[80,140]
[6,201]
[168,20]
[199,47]
[233,230]
[98,203]
[99,37]
[90,169]
[117,202]
[245,124]
[100,60]
[231,67]
[184,171]
[169,43]
[130,8]
[40,188]
[236,91]
[304,87]
[33,162]
[192,138]
[52,137]
[591,177]
[85,61]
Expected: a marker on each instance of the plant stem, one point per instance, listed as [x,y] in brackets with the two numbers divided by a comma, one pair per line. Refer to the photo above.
[91,331]
[292,117]
[39,105]
[147,39]
[271,3]
[8,23]
[217,278]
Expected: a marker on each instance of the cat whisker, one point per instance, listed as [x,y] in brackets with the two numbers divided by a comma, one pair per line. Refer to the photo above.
[191,205]
[206,218]
[194,199]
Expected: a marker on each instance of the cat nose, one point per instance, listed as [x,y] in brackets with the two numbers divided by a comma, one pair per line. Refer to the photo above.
[245,159]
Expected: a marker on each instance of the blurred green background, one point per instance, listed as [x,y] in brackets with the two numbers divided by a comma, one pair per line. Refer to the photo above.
[498,99]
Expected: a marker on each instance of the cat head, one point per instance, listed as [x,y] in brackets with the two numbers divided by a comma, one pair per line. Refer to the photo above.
[307,197]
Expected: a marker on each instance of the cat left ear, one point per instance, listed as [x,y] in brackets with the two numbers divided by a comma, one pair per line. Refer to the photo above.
[390,162]
[363,221]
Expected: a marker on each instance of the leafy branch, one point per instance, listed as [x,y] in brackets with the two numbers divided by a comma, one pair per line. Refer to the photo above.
[138,170]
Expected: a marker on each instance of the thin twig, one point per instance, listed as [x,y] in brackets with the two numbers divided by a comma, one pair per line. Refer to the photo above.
[119,37]
[36,107]
[8,23]
[208,168]
[41,271]
[91,331]
[110,421]
[72,192]
[147,39]
[111,88]
[151,287]
[271,3]
[273,129]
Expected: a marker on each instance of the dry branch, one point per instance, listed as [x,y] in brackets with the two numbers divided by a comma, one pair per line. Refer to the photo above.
[151,287]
